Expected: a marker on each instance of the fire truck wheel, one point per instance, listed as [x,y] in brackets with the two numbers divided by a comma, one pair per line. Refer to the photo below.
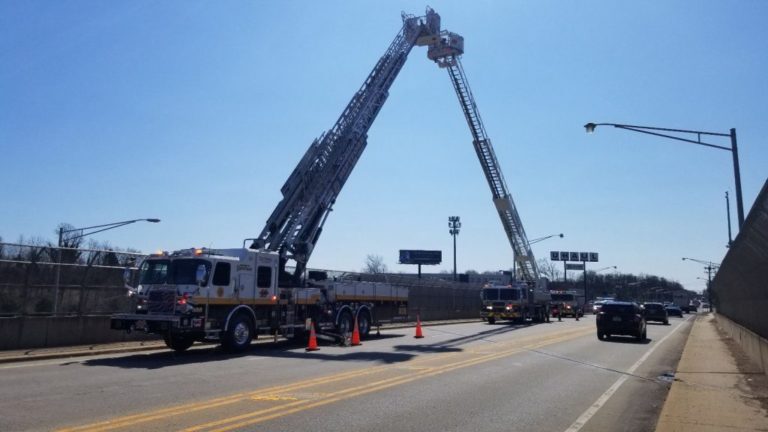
[364,323]
[178,343]
[491,320]
[239,334]
[345,323]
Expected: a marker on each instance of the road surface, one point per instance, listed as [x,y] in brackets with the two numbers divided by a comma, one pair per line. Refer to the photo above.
[473,376]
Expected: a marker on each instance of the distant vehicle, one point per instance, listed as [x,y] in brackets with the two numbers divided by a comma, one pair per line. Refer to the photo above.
[691,308]
[705,305]
[655,312]
[620,318]
[516,302]
[674,310]
[565,303]
[597,304]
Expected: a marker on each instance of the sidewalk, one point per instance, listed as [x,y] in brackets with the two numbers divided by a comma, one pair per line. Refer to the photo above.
[716,387]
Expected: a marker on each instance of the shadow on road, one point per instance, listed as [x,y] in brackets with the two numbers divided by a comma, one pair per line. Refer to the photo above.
[294,349]
[281,349]
[628,340]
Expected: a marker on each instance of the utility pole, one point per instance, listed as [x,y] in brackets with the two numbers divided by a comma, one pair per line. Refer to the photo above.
[728,212]
[454,224]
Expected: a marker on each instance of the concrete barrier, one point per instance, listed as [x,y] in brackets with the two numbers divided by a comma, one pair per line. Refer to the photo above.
[753,345]
[45,332]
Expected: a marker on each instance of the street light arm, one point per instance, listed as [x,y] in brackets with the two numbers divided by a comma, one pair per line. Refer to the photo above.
[709,263]
[99,228]
[110,225]
[536,240]
[590,127]
[605,268]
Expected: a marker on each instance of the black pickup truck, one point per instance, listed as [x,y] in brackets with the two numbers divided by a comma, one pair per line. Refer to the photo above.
[689,309]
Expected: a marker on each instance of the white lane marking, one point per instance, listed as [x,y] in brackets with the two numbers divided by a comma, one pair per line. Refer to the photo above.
[592,410]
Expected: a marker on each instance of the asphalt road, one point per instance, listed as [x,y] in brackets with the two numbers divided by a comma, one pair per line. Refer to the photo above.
[503,377]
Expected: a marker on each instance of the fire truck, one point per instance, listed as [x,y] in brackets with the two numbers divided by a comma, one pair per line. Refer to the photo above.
[233,295]
[516,302]
[565,304]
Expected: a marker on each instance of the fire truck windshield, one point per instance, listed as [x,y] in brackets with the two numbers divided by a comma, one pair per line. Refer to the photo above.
[501,294]
[563,297]
[177,272]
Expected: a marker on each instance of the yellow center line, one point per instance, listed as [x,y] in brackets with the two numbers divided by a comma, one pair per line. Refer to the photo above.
[292,408]
[271,391]
[217,402]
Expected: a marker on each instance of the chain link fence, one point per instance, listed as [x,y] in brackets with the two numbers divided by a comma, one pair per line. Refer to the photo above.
[740,287]
[47,280]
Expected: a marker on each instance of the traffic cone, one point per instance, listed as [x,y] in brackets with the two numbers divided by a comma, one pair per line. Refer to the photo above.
[418,328]
[312,338]
[355,335]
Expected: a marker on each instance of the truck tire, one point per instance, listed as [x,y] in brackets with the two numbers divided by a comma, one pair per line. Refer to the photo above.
[239,334]
[178,343]
[491,320]
[345,324]
[364,323]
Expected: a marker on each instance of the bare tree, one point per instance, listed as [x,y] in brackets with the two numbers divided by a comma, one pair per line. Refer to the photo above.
[374,264]
[549,269]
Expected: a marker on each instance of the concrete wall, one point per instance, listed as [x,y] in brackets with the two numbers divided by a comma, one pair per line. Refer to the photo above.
[753,345]
[41,332]
[740,287]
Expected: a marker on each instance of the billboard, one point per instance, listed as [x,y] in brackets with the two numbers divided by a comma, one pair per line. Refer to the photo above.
[573,256]
[428,257]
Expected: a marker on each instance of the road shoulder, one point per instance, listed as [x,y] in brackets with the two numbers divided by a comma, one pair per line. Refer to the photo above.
[716,387]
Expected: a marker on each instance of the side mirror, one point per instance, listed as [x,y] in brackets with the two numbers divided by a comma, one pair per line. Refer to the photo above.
[201,275]
[127,281]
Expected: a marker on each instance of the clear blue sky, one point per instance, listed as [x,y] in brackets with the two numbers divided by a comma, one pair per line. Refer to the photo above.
[196,112]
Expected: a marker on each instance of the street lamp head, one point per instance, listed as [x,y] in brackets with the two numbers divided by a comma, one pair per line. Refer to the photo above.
[153,220]
[590,127]
[562,235]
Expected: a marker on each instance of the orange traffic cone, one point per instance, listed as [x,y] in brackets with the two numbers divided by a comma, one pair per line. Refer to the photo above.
[312,338]
[418,328]
[355,335]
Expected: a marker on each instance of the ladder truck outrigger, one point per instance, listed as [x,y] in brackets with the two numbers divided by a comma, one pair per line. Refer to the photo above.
[528,297]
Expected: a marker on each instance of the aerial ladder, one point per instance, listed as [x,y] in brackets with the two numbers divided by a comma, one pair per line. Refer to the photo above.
[295,225]
[446,52]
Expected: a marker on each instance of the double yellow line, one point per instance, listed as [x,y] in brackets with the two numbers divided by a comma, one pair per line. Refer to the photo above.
[294,405]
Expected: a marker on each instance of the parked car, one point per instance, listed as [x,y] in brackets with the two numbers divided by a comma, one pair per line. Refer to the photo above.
[655,312]
[674,310]
[620,318]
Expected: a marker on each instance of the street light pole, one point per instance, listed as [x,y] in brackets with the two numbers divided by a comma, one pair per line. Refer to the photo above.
[454,224]
[98,229]
[590,128]
[710,266]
